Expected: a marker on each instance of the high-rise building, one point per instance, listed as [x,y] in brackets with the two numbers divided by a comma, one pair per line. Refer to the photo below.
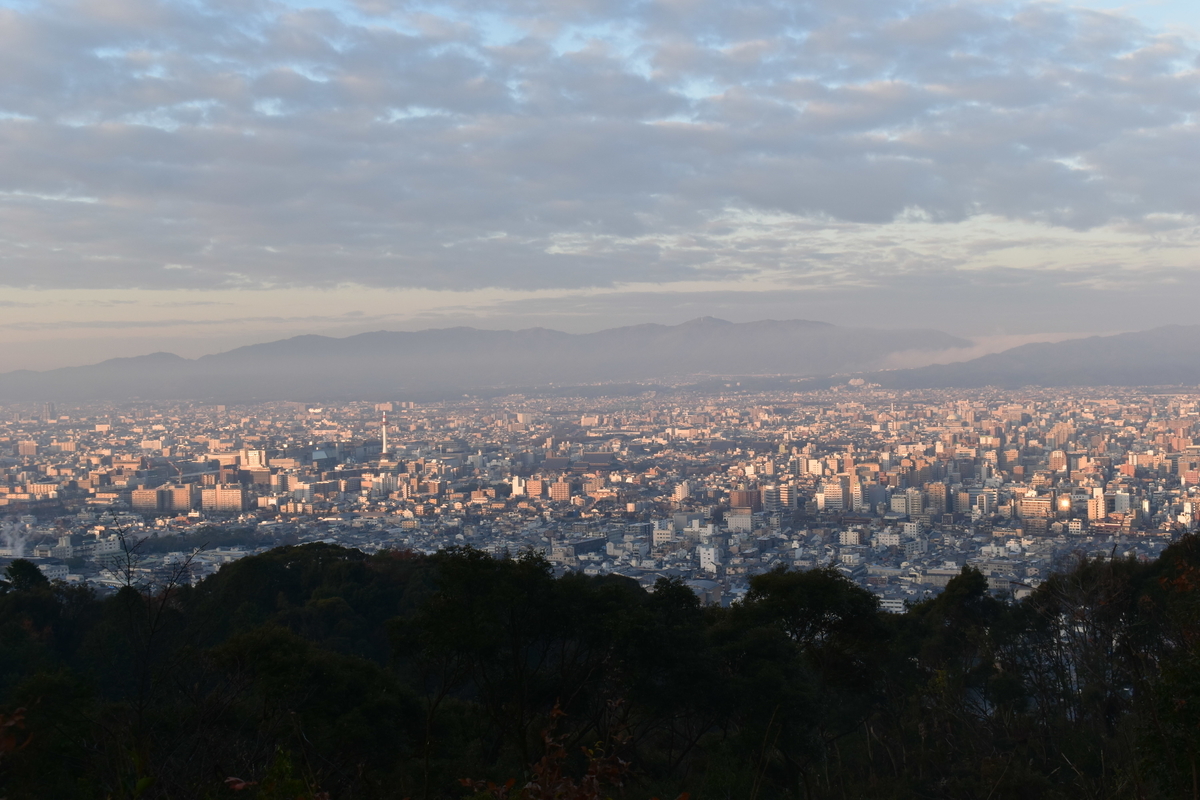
[146,501]
[834,494]
[1039,507]
[915,501]
[937,497]
[858,496]
[180,499]
[788,498]
[746,498]
[255,459]
[224,499]
[771,498]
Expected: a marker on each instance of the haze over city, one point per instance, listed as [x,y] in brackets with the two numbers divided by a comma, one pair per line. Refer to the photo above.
[192,177]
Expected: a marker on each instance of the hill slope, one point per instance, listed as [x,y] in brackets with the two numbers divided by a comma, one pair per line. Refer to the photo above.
[1163,356]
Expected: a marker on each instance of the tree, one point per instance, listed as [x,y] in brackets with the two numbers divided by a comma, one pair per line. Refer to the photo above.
[23,575]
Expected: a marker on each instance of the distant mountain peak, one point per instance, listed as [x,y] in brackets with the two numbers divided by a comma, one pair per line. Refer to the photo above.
[712,321]
[160,356]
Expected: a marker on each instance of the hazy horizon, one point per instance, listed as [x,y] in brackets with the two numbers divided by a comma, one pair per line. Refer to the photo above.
[193,349]
[194,177]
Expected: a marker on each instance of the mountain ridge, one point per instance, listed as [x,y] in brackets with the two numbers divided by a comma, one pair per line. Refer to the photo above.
[382,363]
[1164,356]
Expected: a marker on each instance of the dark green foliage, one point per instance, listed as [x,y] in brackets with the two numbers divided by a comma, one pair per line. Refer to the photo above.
[24,576]
[209,538]
[318,669]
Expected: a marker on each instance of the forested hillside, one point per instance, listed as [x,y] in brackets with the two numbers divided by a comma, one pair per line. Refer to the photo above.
[317,671]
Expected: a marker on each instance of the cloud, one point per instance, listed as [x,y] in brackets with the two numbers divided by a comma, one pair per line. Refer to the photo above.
[524,144]
[981,347]
[304,321]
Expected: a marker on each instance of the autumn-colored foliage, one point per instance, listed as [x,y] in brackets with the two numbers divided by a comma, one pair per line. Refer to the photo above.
[549,780]
[12,736]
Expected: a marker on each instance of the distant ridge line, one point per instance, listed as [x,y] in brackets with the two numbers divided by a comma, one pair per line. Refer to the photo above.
[389,363]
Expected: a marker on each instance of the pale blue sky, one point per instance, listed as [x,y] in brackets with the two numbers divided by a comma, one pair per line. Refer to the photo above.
[1165,14]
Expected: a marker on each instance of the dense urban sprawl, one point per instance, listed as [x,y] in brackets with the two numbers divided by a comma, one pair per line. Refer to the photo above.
[897,490]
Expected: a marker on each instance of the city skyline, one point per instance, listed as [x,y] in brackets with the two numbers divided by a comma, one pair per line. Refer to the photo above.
[192,178]
[896,490]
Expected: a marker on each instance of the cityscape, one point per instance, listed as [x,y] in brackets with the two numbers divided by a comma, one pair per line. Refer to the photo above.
[599,400]
[896,490]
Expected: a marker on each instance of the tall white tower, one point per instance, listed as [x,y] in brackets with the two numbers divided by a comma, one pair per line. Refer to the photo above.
[385,450]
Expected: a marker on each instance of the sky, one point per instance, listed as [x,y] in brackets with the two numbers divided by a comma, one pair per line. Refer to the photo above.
[197,175]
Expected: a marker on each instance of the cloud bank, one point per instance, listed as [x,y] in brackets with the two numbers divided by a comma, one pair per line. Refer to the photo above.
[569,144]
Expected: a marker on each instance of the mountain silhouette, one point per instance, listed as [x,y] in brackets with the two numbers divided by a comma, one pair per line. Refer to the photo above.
[393,363]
